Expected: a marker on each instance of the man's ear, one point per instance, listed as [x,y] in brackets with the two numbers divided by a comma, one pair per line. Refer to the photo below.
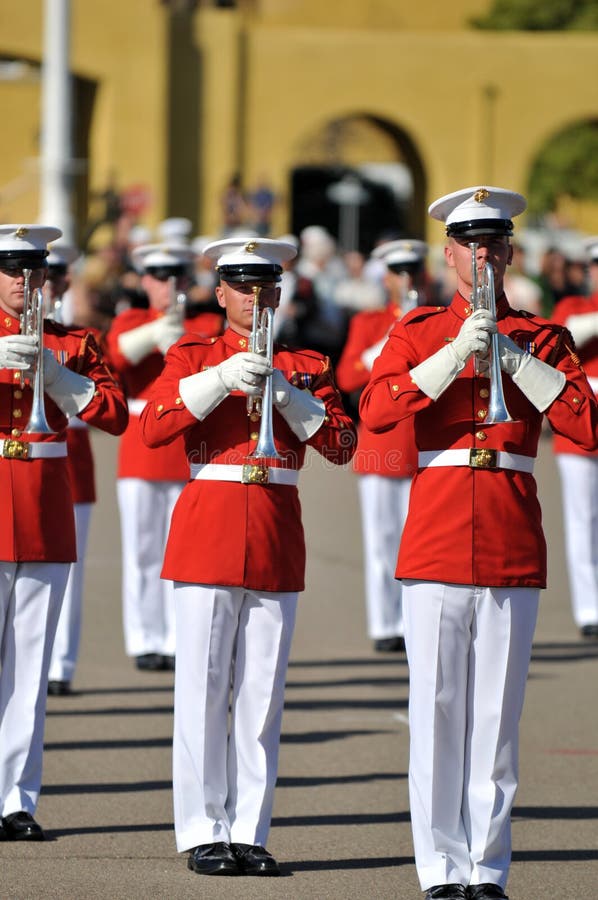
[220,296]
[449,256]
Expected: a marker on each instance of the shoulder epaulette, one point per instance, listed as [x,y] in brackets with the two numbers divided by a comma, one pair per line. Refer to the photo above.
[196,340]
[422,312]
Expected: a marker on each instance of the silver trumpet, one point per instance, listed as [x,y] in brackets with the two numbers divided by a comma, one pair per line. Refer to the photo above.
[178,301]
[483,297]
[261,340]
[32,323]
[409,295]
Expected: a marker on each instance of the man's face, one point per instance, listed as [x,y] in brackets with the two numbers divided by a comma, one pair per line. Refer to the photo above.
[237,300]
[493,249]
[12,283]
[160,290]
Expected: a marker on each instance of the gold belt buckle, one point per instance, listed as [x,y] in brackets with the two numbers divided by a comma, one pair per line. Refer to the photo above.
[255,473]
[12,449]
[482,458]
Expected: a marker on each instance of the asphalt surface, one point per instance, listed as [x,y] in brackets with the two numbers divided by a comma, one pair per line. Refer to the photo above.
[341,820]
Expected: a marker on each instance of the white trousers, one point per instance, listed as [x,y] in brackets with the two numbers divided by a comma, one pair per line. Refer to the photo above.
[579,483]
[468,650]
[30,598]
[384,503]
[68,633]
[148,601]
[233,647]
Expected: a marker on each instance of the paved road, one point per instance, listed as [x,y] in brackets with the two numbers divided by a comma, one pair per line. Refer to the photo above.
[341,822]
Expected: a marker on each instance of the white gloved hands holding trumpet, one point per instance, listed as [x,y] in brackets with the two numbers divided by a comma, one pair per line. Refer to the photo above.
[246,372]
[540,382]
[167,330]
[435,374]
[18,351]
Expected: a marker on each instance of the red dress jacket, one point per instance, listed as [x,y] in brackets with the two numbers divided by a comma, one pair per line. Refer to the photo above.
[588,355]
[226,532]
[135,459]
[37,519]
[465,525]
[80,463]
[390,453]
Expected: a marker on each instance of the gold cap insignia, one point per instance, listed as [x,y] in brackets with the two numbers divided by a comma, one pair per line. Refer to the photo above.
[481,195]
[21,231]
[251,246]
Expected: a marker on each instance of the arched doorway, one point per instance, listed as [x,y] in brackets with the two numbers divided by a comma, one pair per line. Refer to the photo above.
[380,159]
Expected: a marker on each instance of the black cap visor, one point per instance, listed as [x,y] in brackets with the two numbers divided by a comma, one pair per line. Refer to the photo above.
[477,227]
[17,260]
[411,268]
[250,272]
[163,273]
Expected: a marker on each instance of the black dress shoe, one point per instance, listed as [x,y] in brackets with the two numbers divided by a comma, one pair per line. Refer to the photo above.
[254,859]
[486,891]
[21,826]
[213,859]
[168,663]
[390,644]
[446,892]
[149,662]
[59,688]
[589,631]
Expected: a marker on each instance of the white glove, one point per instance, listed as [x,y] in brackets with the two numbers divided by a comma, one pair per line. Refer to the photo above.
[303,412]
[201,393]
[474,336]
[138,342]
[435,373]
[540,382]
[17,351]
[583,327]
[245,372]
[167,331]
[369,356]
[70,391]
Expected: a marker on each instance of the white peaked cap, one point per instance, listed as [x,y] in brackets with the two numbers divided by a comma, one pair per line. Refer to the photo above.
[243,259]
[27,239]
[62,255]
[149,256]
[401,252]
[176,228]
[478,210]
[591,247]
[140,234]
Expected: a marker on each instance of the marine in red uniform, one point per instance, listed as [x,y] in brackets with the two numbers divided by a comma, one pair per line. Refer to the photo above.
[473,556]
[37,532]
[386,462]
[236,555]
[82,479]
[578,467]
[150,481]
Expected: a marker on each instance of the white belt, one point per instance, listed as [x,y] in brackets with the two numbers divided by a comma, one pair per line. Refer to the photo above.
[477,458]
[13,449]
[136,405]
[250,473]
[74,422]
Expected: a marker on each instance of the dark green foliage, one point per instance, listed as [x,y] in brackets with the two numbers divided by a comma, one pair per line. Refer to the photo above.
[568,165]
[540,15]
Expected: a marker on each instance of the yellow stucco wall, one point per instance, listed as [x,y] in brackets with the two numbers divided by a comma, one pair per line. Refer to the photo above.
[271,73]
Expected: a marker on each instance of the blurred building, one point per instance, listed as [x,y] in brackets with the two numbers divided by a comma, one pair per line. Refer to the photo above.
[174,98]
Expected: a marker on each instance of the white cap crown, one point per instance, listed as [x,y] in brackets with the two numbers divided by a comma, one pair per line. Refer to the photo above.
[247,259]
[478,210]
